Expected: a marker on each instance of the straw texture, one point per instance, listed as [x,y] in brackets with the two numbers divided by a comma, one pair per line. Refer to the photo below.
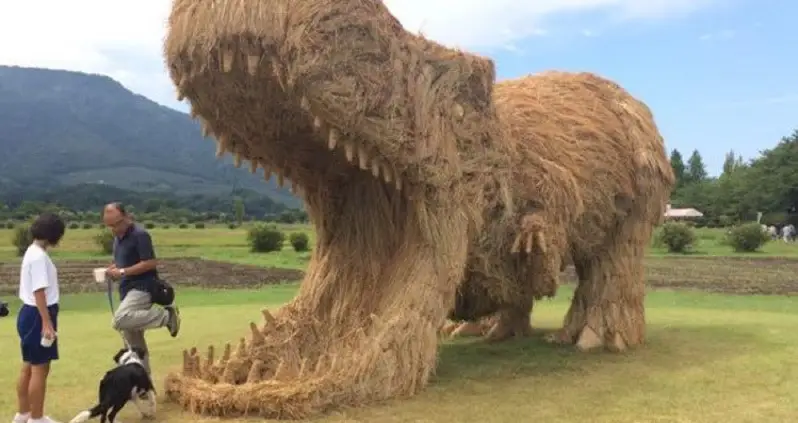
[420,175]
[591,181]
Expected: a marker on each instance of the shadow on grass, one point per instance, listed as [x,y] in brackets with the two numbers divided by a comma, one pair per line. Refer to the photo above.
[666,347]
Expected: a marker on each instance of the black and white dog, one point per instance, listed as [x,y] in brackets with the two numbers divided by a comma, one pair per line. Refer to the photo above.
[128,381]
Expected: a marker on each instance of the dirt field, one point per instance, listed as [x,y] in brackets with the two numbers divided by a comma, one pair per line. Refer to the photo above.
[765,275]
[732,275]
[76,276]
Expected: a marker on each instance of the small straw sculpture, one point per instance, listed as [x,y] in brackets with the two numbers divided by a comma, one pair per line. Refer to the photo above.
[432,190]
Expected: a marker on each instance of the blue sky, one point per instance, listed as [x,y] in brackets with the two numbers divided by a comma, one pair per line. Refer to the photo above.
[716,73]
[716,80]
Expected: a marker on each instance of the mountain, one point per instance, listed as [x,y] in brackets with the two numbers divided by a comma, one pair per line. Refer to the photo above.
[70,128]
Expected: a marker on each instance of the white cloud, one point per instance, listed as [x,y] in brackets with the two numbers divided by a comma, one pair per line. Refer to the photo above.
[123,39]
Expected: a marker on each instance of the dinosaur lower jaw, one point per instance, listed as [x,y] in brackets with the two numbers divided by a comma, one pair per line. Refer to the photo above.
[363,326]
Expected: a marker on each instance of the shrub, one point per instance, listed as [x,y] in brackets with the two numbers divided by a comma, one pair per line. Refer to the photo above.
[87,226]
[22,239]
[105,240]
[183,226]
[300,241]
[265,238]
[676,237]
[74,225]
[748,237]
[199,225]
[232,226]
[10,225]
[167,226]
[149,225]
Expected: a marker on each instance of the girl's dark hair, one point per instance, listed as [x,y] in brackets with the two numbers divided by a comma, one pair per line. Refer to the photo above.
[48,227]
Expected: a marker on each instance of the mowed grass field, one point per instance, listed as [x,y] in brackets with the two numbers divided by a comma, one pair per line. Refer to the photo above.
[708,358]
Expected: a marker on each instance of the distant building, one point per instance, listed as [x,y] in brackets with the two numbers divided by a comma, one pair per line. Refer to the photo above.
[681,214]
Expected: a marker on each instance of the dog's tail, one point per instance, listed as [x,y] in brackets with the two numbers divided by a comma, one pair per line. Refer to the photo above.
[86,415]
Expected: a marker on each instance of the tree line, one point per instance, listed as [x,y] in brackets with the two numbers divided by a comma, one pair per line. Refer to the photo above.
[766,184]
[83,203]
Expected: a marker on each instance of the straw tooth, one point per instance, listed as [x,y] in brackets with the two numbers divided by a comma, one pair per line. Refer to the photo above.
[458,110]
[294,187]
[332,141]
[267,173]
[242,347]
[186,363]
[280,179]
[268,320]
[304,103]
[209,358]
[253,166]
[541,240]
[317,122]
[237,159]
[254,375]
[375,168]
[529,241]
[398,183]
[193,351]
[252,64]
[516,244]
[181,85]
[221,147]
[227,60]
[227,351]
[229,372]
[257,336]
[180,95]
[196,371]
[363,158]
[205,128]
[349,149]
[386,173]
[193,113]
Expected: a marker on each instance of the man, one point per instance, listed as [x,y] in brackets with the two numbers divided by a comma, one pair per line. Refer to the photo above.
[135,266]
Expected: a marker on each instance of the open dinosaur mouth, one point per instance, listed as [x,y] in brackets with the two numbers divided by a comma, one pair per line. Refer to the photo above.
[286,138]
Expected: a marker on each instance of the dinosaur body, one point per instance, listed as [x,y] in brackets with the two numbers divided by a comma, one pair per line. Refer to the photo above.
[419,175]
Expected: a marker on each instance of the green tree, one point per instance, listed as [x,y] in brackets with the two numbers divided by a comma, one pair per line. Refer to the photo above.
[679,169]
[696,170]
[238,209]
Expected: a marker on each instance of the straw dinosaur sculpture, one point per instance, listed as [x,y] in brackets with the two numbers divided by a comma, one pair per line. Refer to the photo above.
[421,177]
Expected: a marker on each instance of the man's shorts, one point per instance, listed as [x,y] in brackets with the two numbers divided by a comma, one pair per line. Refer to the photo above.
[29,328]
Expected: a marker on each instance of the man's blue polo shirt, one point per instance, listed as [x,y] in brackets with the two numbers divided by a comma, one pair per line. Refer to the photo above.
[133,247]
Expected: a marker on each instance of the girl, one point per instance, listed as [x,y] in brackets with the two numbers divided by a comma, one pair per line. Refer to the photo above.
[37,320]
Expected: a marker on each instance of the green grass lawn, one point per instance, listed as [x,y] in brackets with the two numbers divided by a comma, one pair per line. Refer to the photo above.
[709,358]
[214,243]
[222,243]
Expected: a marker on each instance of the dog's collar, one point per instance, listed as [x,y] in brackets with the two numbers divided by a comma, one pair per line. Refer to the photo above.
[132,360]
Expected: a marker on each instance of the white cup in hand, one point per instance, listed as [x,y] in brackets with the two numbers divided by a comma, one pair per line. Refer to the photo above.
[99,274]
[47,342]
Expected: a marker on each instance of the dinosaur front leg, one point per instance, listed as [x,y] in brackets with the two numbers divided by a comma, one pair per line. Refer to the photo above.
[538,249]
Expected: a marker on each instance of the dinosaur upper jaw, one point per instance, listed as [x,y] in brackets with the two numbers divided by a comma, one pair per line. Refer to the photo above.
[250,116]
[323,94]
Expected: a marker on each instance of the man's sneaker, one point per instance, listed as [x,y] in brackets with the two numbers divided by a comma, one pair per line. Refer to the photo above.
[44,419]
[173,320]
[21,418]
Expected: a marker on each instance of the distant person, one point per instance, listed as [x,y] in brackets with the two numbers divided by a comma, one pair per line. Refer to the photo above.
[135,267]
[37,321]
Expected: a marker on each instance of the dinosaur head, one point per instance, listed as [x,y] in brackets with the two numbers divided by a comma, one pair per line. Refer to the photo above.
[329,93]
